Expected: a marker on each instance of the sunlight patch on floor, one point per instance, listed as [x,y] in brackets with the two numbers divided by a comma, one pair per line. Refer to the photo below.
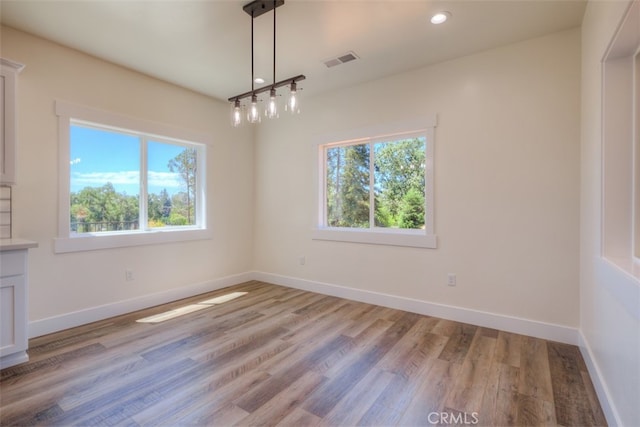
[223,298]
[181,311]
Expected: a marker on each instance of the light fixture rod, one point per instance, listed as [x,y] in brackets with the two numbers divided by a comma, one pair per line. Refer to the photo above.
[252,73]
[281,83]
[274,44]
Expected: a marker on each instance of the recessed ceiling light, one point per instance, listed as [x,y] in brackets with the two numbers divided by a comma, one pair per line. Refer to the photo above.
[440,17]
[259,80]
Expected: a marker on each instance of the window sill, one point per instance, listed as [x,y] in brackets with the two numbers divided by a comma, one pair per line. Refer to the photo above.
[94,242]
[628,265]
[407,238]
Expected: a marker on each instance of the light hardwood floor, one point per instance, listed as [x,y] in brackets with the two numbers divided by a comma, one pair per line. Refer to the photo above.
[284,356]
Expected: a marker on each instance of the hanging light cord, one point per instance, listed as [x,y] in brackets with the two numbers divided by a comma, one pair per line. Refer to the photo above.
[252,74]
[274,45]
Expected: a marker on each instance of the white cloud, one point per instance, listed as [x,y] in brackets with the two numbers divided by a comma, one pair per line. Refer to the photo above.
[164,179]
[101,178]
[155,179]
[75,161]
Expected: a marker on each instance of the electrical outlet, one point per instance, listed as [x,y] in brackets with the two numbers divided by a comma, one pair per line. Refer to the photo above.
[302,260]
[128,275]
[451,279]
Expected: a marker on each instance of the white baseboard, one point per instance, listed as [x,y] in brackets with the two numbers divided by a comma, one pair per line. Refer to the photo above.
[517,325]
[481,318]
[609,409]
[13,359]
[93,314]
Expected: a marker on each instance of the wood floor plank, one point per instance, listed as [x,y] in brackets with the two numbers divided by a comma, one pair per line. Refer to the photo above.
[418,338]
[460,338]
[360,318]
[500,399]
[569,392]
[225,416]
[284,356]
[535,412]
[192,406]
[361,343]
[353,406]
[391,404]
[321,402]
[222,381]
[47,364]
[284,402]
[598,414]
[417,358]
[508,348]
[468,391]
[305,339]
[216,387]
[535,377]
[446,327]
[53,393]
[431,393]
[281,380]
[300,417]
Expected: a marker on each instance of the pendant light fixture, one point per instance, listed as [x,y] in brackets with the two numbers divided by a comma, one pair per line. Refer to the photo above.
[251,99]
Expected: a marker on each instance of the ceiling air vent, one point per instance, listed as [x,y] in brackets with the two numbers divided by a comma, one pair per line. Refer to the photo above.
[347,57]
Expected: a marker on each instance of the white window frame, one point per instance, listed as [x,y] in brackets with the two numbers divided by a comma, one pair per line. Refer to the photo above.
[422,238]
[620,191]
[636,155]
[69,114]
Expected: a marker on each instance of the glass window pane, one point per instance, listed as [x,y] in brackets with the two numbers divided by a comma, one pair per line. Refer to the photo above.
[348,186]
[171,183]
[399,183]
[104,180]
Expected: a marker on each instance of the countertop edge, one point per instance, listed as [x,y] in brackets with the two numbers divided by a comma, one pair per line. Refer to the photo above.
[16,244]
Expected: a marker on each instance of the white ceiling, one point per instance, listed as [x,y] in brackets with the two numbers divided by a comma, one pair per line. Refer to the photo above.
[205,45]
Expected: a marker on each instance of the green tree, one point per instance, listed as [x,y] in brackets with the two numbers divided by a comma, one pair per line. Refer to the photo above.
[154,208]
[159,208]
[399,168]
[348,186]
[185,164]
[129,208]
[166,203]
[383,217]
[177,219]
[412,209]
[103,206]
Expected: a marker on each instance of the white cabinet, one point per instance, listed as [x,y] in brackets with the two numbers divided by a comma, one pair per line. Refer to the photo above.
[8,83]
[14,336]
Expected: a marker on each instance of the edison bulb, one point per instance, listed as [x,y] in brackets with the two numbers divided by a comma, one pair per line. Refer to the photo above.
[236,114]
[272,106]
[294,103]
[253,115]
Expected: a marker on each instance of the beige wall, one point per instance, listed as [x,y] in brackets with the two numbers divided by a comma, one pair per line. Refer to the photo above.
[506,183]
[67,283]
[609,298]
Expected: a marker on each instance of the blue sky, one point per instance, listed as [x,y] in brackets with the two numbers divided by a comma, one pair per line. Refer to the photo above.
[99,156]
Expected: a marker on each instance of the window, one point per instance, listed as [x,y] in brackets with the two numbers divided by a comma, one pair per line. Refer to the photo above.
[125,181]
[378,189]
[621,147]
[109,182]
